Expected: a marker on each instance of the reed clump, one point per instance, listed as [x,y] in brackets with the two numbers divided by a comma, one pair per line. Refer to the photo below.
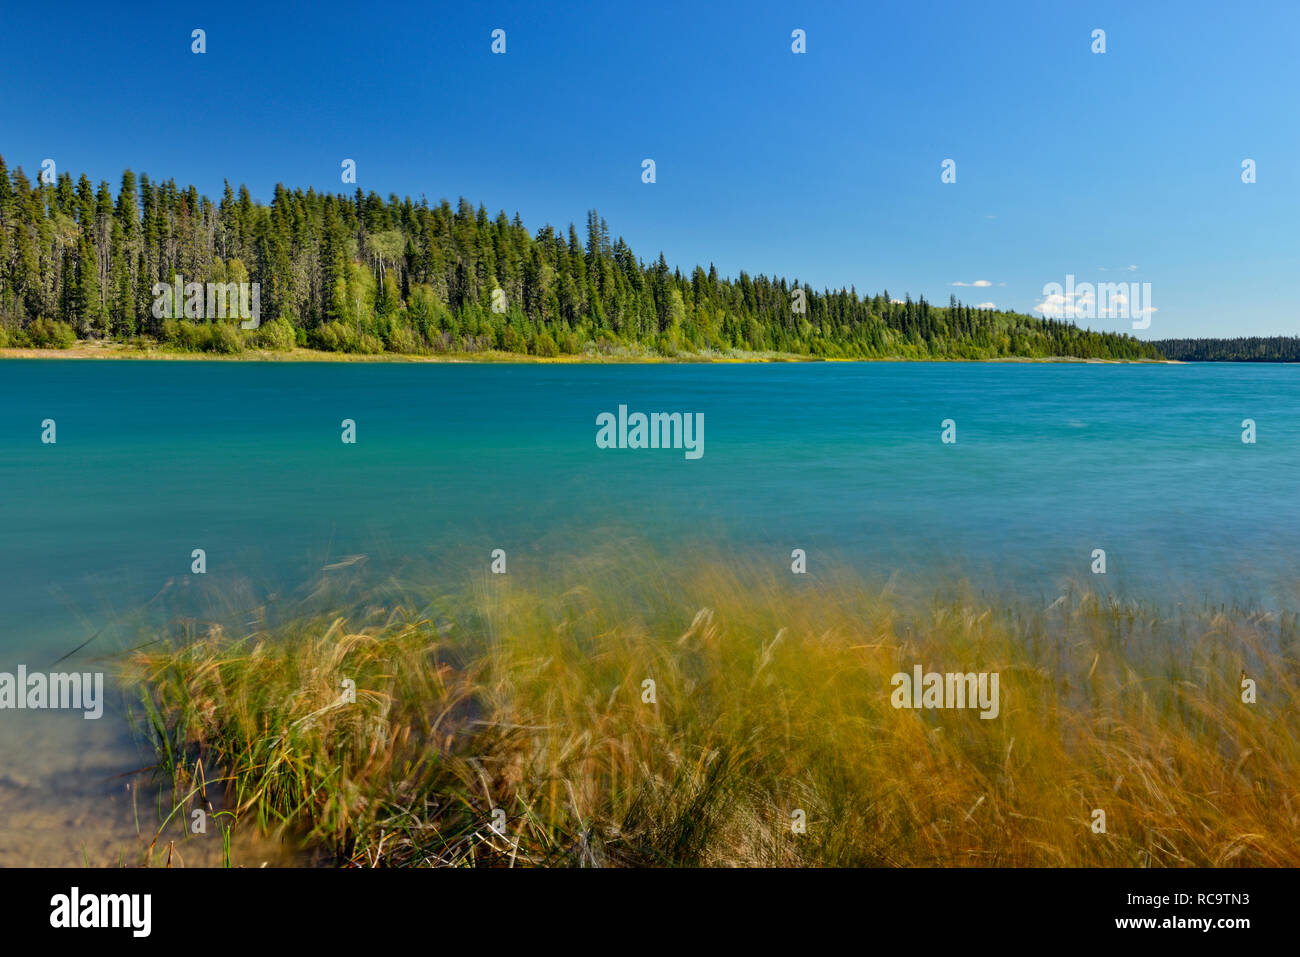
[608,713]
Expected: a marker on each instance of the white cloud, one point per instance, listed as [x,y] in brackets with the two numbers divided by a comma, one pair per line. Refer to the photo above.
[1084,302]
[1056,306]
[985,305]
[978,283]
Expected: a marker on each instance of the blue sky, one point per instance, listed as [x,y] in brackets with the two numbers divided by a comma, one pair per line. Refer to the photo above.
[823,166]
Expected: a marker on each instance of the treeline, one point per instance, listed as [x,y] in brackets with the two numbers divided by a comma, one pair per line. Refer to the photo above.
[362,274]
[1241,349]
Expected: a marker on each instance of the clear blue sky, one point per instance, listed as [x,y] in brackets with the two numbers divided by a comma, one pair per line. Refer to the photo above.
[823,166]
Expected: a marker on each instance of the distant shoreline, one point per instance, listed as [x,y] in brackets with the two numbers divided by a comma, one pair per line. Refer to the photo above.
[101,350]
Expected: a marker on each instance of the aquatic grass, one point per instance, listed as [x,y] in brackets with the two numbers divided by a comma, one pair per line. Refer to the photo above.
[771,692]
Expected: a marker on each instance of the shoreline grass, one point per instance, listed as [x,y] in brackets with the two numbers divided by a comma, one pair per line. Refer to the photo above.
[526,695]
[93,349]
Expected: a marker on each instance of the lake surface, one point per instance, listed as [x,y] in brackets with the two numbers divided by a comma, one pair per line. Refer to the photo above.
[154,459]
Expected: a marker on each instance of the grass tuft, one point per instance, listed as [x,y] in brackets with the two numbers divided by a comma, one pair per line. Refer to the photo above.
[771,694]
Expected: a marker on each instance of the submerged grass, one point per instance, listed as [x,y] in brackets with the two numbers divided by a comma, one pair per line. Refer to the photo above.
[771,693]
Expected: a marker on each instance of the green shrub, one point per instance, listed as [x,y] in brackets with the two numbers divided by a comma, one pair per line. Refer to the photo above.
[510,340]
[51,334]
[172,333]
[224,338]
[277,335]
[187,336]
[332,337]
[402,339]
[545,346]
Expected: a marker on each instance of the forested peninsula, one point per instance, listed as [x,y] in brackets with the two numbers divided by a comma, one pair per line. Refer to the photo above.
[366,275]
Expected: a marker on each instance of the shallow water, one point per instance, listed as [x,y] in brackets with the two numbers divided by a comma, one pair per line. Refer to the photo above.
[843,460]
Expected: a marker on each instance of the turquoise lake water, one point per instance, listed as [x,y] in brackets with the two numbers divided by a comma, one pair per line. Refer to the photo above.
[244,460]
